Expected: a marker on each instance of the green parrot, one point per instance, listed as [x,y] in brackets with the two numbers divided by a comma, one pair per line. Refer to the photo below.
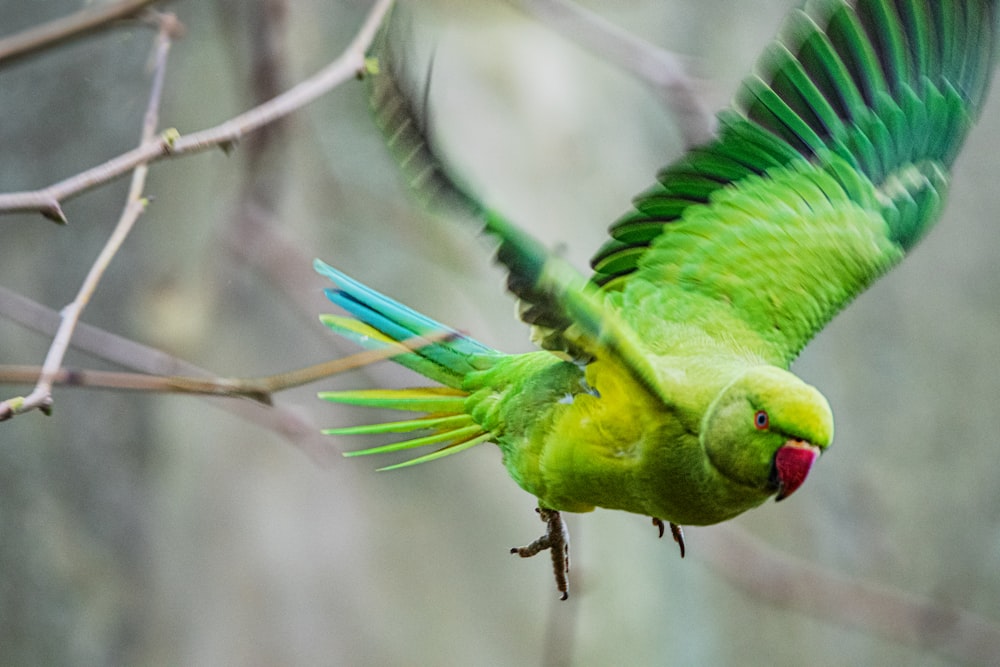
[661,387]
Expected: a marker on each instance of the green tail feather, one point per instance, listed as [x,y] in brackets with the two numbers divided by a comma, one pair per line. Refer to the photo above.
[453,448]
[405,426]
[447,419]
[424,399]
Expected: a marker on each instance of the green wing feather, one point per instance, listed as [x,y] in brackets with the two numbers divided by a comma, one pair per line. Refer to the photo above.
[401,115]
[557,299]
[832,164]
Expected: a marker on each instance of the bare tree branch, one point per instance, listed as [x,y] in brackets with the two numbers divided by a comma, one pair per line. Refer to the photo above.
[89,19]
[41,397]
[73,377]
[777,577]
[350,64]
[662,70]
[290,423]
[258,389]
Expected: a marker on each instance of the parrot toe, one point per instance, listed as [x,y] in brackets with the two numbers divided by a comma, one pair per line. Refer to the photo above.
[556,540]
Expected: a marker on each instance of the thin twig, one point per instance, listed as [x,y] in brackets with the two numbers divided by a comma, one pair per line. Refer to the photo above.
[94,379]
[290,423]
[66,28]
[41,397]
[297,378]
[258,389]
[350,64]
[661,69]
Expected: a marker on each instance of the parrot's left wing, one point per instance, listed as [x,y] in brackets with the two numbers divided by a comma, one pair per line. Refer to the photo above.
[554,296]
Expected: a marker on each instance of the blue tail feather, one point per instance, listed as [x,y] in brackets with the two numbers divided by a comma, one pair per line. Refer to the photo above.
[457,354]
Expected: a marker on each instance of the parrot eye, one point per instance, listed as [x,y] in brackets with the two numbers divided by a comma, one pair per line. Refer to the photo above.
[760,420]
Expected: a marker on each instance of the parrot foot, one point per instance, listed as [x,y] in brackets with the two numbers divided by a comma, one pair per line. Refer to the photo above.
[556,540]
[675,530]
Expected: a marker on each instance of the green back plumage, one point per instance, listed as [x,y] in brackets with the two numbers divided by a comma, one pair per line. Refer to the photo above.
[831,164]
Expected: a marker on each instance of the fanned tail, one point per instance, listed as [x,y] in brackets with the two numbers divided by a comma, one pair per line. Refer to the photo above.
[453,427]
[427,347]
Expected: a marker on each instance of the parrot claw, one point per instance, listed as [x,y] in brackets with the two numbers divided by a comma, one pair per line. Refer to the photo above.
[556,540]
[675,530]
[678,534]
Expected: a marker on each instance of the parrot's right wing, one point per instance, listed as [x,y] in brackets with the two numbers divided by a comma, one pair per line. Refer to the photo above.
[831,164]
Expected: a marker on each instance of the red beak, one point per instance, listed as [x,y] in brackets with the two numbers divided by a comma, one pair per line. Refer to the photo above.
[792,464]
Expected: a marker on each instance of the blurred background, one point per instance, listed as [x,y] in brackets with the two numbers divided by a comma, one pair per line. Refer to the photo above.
[163,530]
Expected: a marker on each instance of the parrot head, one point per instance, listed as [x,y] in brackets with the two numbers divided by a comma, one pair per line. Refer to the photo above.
[766,429]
